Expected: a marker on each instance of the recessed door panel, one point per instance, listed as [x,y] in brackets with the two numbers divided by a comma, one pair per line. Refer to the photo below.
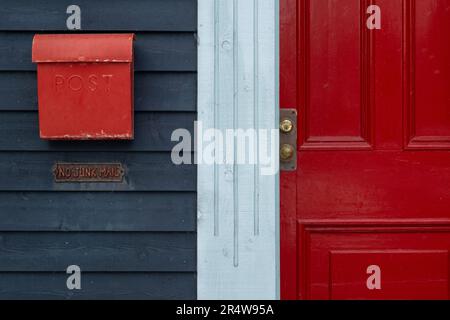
[427,95]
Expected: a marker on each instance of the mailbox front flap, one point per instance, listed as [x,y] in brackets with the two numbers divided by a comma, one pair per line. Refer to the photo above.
[83,48]
[85,86]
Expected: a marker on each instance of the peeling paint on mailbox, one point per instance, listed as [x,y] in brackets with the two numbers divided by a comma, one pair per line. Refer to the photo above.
[85,86]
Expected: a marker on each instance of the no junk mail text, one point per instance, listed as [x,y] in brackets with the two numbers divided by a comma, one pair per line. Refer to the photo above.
[88,172]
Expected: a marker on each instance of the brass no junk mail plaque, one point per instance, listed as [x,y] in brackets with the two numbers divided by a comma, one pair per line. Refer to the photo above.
[88,172]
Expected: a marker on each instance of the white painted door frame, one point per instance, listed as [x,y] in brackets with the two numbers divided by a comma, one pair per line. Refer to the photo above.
[238,207]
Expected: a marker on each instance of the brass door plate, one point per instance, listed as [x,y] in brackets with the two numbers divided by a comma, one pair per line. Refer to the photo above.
[288,139]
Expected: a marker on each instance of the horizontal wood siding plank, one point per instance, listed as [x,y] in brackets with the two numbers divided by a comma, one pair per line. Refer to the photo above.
[98,251]
[152,51]
[25,171]
[98,211]
[123,286]
[165,52]
[101,15]
[154,91]
[19,131]
[165,91]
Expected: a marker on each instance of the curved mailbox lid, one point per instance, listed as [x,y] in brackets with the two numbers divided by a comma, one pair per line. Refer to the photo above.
[83,48]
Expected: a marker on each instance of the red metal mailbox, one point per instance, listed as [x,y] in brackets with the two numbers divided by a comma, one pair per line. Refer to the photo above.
[85,86]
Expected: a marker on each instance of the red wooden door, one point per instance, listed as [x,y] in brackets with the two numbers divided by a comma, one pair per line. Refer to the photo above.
[366,214]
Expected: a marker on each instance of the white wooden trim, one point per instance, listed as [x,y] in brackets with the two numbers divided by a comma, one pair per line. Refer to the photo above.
[238,223]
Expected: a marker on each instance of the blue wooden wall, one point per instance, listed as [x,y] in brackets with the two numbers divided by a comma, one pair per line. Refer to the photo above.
[135,239]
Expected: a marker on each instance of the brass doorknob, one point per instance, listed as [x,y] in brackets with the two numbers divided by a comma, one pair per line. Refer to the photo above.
[286,152]
[286,126]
